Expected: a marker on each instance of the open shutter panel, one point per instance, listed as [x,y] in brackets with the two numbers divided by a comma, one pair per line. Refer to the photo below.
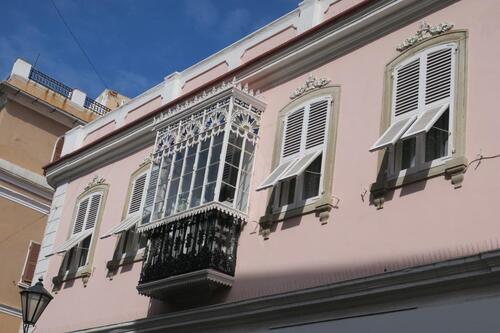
[150,193]
[31,259]
[393,133]
[95,202]
[153,179]
[80,216]
[426,120]
[438,75]
[406,90]
[137,193]
[316,124]
[301,165]
[293,133]
[274,177]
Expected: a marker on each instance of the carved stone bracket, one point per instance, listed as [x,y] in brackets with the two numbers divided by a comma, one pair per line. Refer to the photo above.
[456,172]
[378,196]
[265,228]
[425,31]
[323,212]
[312,83]
[96,181]
[85,278]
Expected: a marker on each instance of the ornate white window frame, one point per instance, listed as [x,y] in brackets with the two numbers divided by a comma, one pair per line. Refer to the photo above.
[226,112]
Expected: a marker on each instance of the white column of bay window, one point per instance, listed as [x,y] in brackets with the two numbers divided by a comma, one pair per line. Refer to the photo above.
[193,176]
[181,179]
[240,170]
[225,141]
[169,178]
[207,166]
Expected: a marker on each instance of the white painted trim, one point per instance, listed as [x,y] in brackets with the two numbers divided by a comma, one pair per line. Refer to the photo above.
[8,310]
[25,179]
[24,200]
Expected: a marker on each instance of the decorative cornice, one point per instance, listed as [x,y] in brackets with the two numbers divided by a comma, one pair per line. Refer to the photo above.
[425,31]
[312,83]
[205,95]
[96,181]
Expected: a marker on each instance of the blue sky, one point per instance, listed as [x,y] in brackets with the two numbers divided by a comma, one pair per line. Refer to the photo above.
[134,44]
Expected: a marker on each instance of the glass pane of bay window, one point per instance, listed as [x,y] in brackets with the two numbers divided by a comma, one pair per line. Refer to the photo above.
[227,193]
[174,183]
[162,186]
[182,202]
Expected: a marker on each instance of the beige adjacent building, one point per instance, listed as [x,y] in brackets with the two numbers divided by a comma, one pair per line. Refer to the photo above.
[35,111]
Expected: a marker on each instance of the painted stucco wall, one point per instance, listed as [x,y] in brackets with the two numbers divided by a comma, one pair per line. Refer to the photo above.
[18,225]
[205,77]
[100,131]
[143,109]
[424,222]
[26,137]
[269,43]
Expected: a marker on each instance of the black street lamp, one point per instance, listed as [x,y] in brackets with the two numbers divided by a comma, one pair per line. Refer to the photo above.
[33,301]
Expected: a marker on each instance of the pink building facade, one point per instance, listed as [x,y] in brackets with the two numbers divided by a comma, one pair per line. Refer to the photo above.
[334,170]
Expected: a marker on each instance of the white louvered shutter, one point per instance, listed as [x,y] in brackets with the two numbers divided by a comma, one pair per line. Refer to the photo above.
[406,88]
[137,194]
[439,70]
[150,193]
[80,216]
[292,141]
[95,202]
[317,123]
[153,180]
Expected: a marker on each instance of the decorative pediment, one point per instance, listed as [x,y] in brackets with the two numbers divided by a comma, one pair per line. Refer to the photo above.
[96,181]
[426,31]
[312,83]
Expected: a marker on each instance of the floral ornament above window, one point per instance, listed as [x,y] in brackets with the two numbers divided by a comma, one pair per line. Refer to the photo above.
[312,83]
[425,31]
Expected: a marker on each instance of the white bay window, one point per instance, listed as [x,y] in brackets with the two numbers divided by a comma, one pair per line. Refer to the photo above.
[204,159]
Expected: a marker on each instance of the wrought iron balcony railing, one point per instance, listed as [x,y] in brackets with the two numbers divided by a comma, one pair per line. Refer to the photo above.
[97,107]
[50,83]
[206,242]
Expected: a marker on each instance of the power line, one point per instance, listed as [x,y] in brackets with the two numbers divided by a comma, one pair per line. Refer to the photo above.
[78,43]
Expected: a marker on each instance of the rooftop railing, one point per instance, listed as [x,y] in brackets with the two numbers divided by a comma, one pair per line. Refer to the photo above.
[50,83]
[96,107]
[66,91]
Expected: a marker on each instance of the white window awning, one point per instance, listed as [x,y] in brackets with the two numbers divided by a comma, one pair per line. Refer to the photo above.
[393,133]
[125,225]
[288,169]
[300,165]
[425,121]
[274,177]
[71,242]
